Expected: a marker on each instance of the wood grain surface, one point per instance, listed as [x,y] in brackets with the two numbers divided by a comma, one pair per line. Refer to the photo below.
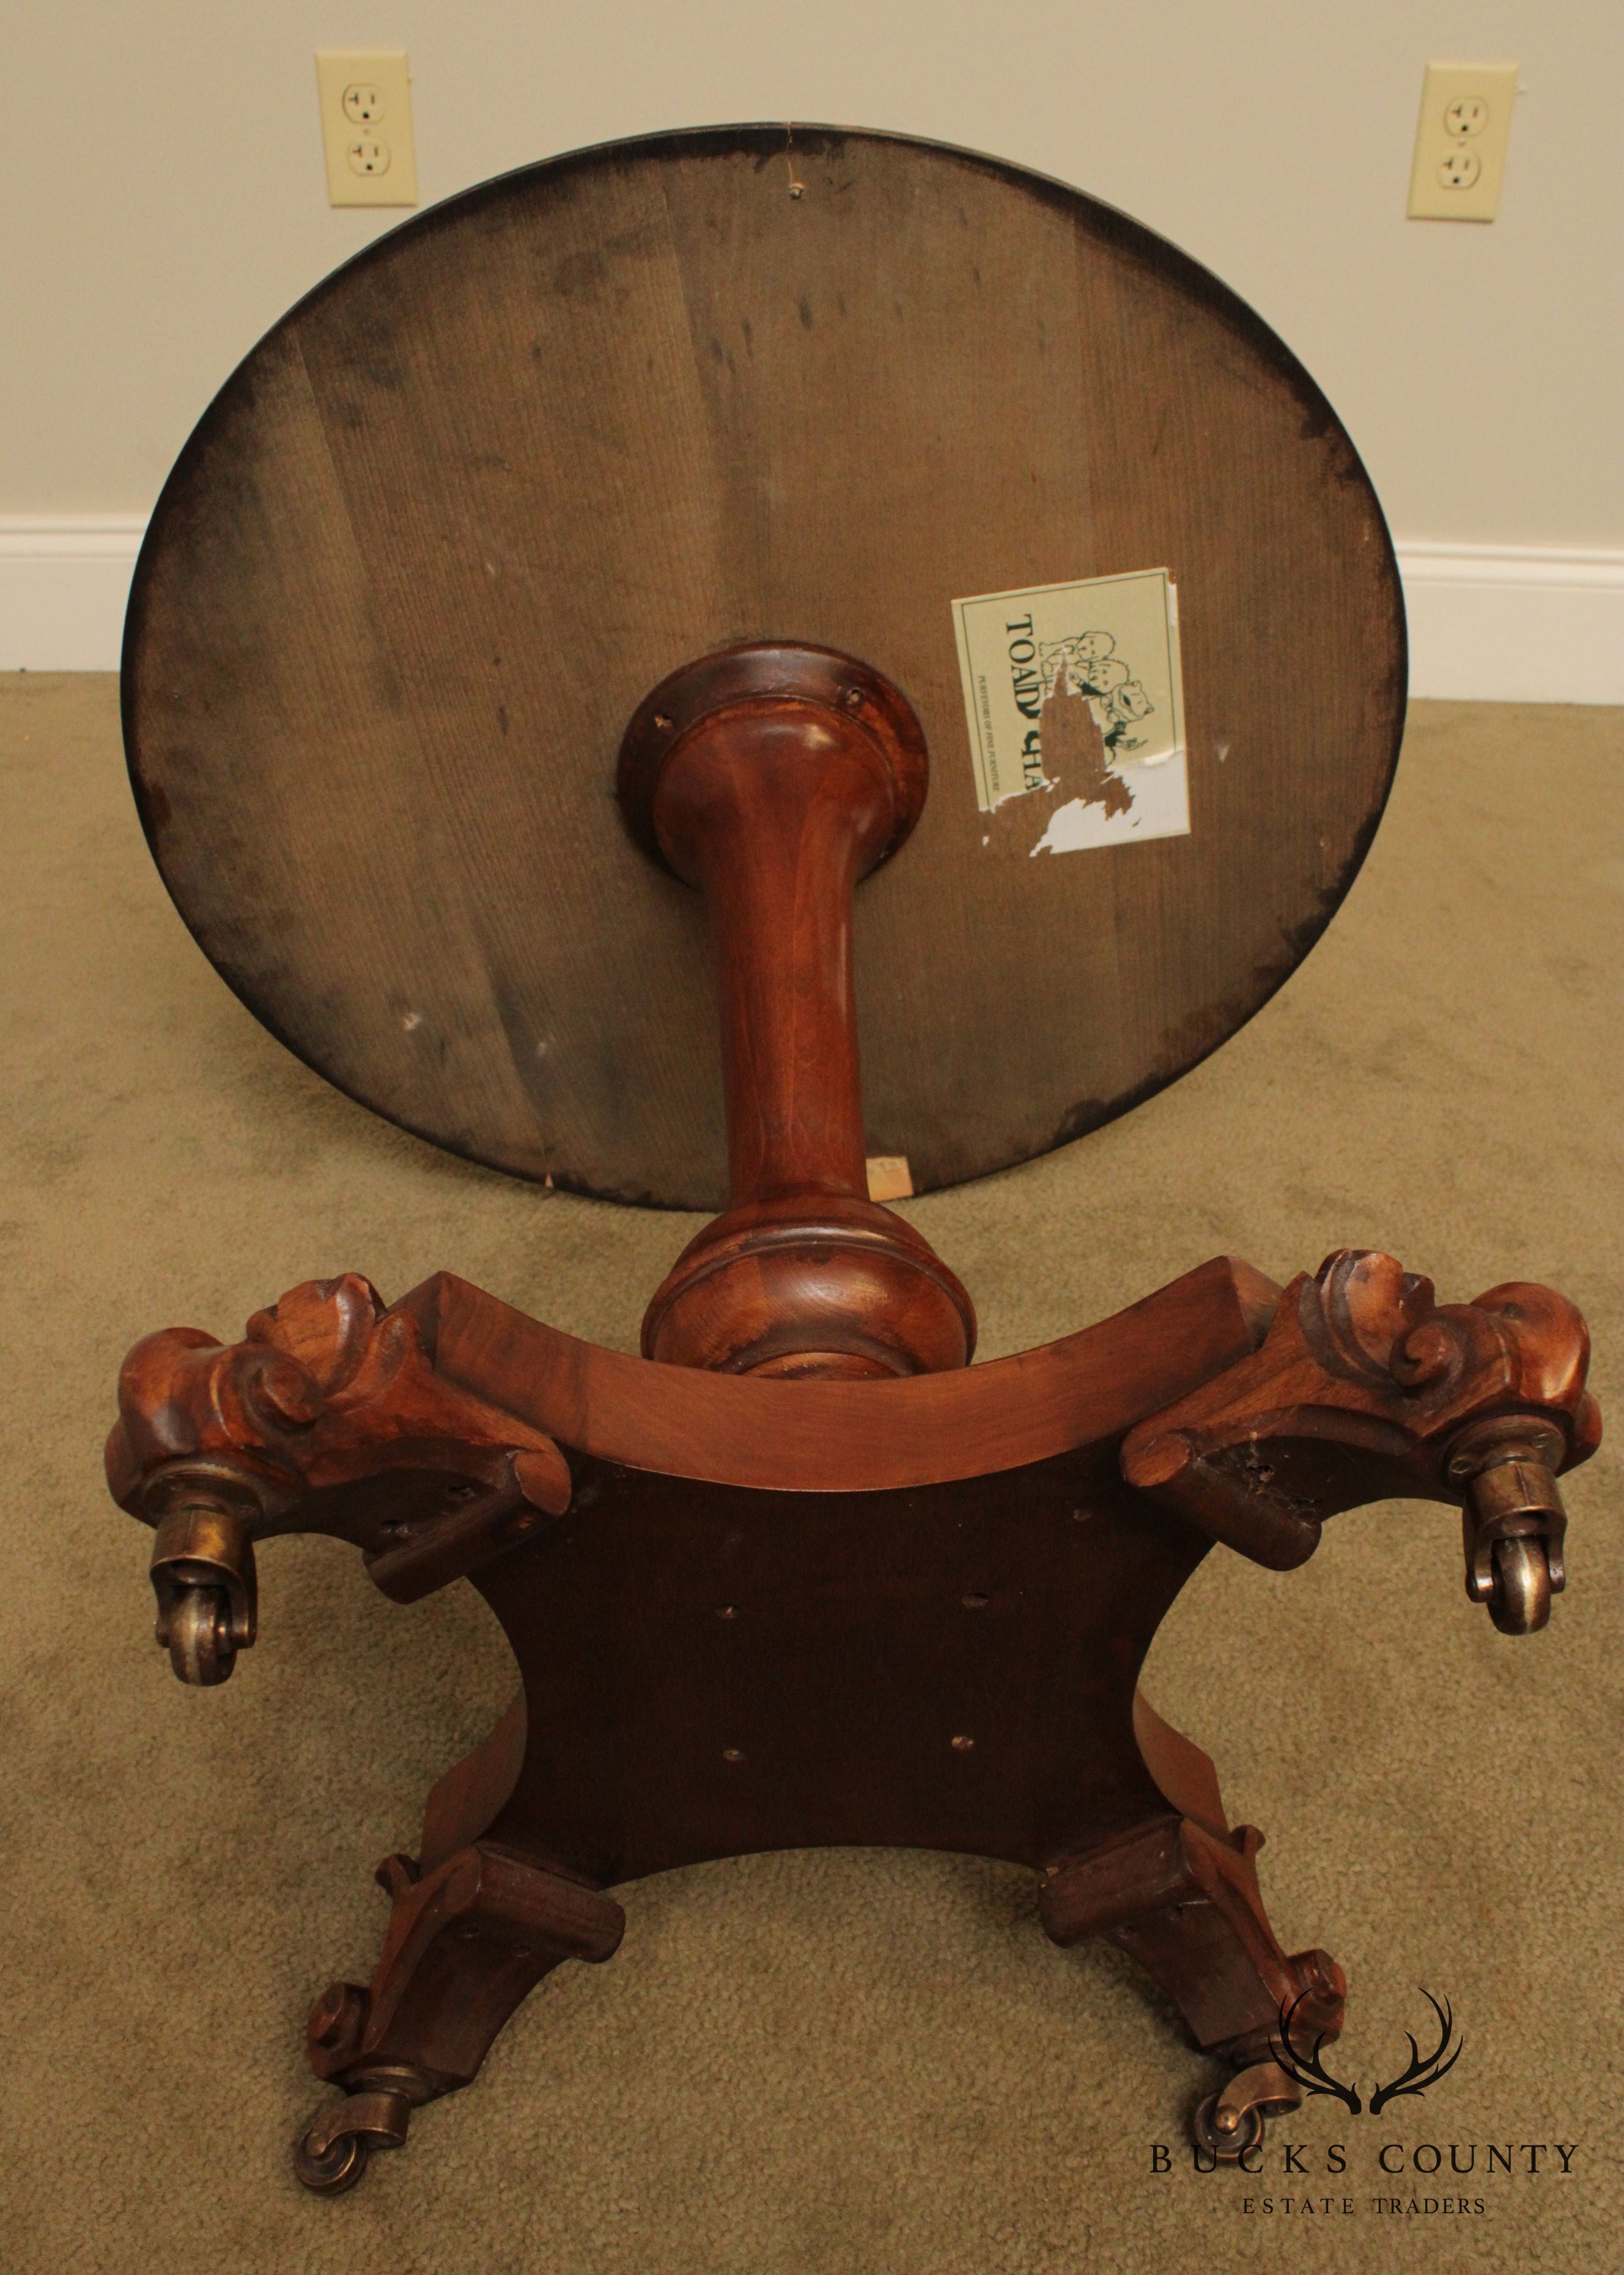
[455,515]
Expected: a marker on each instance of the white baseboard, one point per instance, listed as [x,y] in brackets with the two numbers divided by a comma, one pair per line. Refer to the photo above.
[1508,624]
[1515,623]
[64,579]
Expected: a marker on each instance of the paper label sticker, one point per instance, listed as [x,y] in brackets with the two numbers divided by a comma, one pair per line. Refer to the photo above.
[1074,699]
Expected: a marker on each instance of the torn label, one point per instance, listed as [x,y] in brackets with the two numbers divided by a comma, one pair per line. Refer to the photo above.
[1110,645]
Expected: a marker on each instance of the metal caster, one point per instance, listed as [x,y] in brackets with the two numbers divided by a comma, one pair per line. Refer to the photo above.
[1512,1519]
[202,1650]
[336,2170]
[202,1570]
[1228,2126]
[331,2155]
[1520,1603]
[1244,2132]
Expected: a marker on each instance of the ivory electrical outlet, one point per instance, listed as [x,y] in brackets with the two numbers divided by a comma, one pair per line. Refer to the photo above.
[1461,141]
[367,128]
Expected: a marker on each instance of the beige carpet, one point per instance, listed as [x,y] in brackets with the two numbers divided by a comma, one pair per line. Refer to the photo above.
[821,2062]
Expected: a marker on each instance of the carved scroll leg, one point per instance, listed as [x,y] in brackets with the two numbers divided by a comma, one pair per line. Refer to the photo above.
[464,1946]
[1184,1902]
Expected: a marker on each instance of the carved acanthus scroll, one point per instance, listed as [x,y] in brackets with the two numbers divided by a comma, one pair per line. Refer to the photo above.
[327,1417]
[1364,1388]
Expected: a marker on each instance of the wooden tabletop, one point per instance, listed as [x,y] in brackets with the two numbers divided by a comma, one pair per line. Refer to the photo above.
[455,516]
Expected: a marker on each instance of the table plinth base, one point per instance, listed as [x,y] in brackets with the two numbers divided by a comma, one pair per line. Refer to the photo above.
[753,1613]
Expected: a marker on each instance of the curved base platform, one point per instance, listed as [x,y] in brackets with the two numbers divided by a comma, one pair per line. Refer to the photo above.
[751,1614]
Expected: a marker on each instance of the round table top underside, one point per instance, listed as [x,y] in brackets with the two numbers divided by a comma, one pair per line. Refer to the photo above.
[455,515]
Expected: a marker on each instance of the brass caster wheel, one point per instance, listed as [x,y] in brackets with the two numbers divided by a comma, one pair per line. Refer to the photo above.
[1227,2145]
[1521,1604]
[202,1567]
[334,2170]
[202,1649]
[1512,1519]
[1229,2125]
[331,2155]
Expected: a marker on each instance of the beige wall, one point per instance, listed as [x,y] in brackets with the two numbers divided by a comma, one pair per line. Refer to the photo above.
[163,198]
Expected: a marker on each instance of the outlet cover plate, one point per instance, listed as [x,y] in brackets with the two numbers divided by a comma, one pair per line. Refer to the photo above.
[365,99]
[1461,141]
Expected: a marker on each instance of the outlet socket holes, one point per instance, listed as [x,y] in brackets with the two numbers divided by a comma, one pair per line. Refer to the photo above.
[1461,140]
[367,143]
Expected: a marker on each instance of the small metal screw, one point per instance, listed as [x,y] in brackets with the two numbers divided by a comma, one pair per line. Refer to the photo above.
[963,1745]
[854,699]
[660,720]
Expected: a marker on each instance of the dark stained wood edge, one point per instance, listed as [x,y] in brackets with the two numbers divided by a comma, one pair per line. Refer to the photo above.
[767,140]
[846,1436]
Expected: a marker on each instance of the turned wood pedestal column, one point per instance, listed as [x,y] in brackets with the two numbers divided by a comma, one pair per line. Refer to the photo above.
[774,778]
